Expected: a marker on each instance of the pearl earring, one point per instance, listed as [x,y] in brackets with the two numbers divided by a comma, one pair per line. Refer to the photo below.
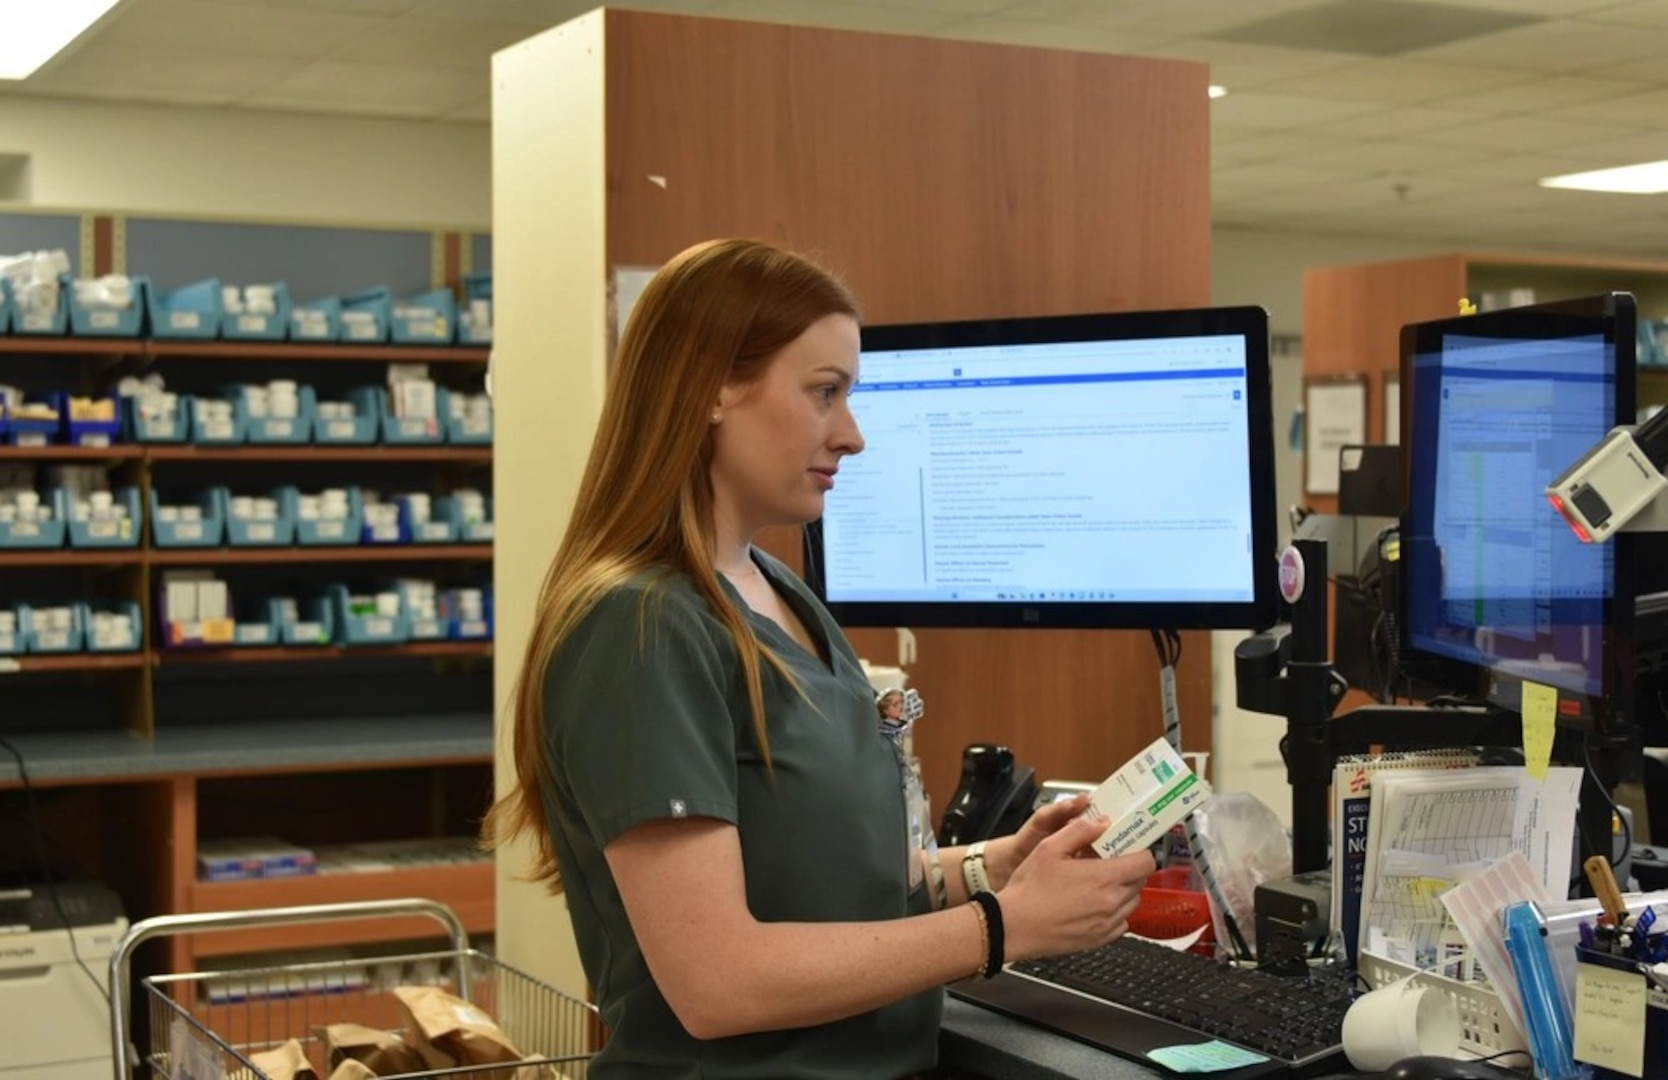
[715,416]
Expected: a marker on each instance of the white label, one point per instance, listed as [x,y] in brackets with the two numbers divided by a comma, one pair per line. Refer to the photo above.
[252,324]
[38,320]
[33,438]
[8,642]
[185,320]
[425,628]
[216,429]
[473,628]
[339,429]
[435,530]
[95,440]
[309,631]
[361,332]
[379,627]
[415,426]
[477,426]
[103,320]
[263,532]
[386,534]
[25,530]
[102,530]
[188,530]
[158,429]
[332,530]
[483,531]
[256,634]
[52,639]
[280,429]
[113,639]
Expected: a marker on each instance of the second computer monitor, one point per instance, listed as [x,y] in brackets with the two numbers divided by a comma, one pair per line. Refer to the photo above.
[1110,471]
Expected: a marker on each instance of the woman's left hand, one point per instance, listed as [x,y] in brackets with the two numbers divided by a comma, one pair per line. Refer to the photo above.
[1002,855]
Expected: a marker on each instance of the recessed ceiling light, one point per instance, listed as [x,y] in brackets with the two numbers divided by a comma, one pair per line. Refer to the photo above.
[1648,178]
[1218,91]
[33,33]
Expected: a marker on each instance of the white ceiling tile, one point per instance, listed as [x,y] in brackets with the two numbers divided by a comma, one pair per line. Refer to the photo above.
[528,14]
[1384,155]
[213,28]
[1545,8]
[351,7]
[1546,93]
[1393,123]
[161,73]
[1282,175]
[1395,81]
[1200,17]
[1252,146]
[1004,31]
[1236,65]
[1643,110]
[331,86]
[1273,112]
[843,16]
[1642,13]
[1520,133]
[427,43]
[1626,150]
[1563,45]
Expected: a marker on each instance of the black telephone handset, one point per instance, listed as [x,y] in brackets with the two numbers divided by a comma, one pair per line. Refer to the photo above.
[994,798]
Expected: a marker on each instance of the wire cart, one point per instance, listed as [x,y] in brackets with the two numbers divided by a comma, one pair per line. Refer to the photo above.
[206,1025]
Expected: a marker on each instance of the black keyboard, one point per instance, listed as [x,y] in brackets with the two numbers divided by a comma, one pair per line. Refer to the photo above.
[1132,996]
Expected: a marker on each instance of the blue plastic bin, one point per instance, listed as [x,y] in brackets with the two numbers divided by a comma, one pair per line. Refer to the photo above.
[354,629]
[475,287]
[39,640]
[467,532]
[439,529]
[208,532]
[339,532]
[109,322]
[111,642]
[463,629]
[397,532]
[255,623]
[461,430]
[33,535]
[360,431]
[220,433]
[15,431]
[244,532]
[42,323]
[271,430]
[396,431]
[89,432]
[251,327]
[157,429]
[316,320]
[101,534]
[315,626]
[365,316]
[189,312]
[425,627]
[437,327]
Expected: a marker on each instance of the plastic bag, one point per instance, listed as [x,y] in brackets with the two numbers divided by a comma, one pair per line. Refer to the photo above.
[1245,845]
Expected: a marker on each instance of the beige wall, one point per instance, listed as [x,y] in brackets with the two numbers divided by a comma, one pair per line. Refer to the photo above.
[246,164]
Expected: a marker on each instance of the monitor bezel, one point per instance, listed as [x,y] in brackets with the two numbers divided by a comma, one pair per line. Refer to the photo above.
[1249,323]
[1610,708]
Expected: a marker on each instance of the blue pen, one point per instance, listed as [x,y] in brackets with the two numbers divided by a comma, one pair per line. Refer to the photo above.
[1588,938]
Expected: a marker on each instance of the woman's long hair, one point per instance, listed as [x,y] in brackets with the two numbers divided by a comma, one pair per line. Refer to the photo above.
[713,317]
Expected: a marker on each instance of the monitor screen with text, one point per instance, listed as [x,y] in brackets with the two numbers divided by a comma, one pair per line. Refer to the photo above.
[1084,471]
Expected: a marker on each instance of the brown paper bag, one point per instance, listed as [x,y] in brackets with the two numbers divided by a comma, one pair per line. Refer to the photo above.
[350,1069]
[457,1028]
[286,1062]
[383,1052]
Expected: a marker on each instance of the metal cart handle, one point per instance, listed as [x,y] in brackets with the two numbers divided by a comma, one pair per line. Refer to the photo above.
[126,1058]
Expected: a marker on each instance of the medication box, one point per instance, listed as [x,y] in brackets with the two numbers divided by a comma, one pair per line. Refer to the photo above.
[1151,792]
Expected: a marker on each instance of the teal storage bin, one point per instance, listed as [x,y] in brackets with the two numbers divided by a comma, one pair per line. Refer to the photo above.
[123,533]
[156,429]
[5,309]
[220,431]
[361,628]
[47,640]
[106,638]
[314,624]
[330,532]
[467,530]
[259,532]
[365,316]
[359,430]
[42,323]
[33,535]
[207,531]
[316,320]
[109,322]
[423,627]
[12,641]
[462,430]
[189,312]
[477,291]
[255,623]
[395,430]
[273,430]
[248,326]
[429,318]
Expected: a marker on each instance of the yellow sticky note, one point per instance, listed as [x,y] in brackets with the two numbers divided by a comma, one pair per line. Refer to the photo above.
[1610,1018]
[1428,889]
[1540,713]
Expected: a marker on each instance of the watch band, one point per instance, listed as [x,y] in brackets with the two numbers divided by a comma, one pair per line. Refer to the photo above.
[973,869]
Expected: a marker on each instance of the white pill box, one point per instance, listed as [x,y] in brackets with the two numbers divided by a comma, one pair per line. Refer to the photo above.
[1151,792]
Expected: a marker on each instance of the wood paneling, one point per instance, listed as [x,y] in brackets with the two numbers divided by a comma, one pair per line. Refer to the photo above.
[942,180]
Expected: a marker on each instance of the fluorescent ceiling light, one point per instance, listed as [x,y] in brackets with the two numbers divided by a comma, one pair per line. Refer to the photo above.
[1218,91]
[1649,178]
[34,31]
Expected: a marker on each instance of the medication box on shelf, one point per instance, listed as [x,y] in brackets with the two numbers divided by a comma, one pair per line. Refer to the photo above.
[89,420]
[375,623]
[316,320]
[194,608]
[467,417]
[397,430]
[365,316]
[38,321]
[331,518]
[425,319]
[277,414]
[111,518]
[475,319]
[196,523]
[258,520]
[313,622]
[32,422]
[471,514]
[252,857]
[189,312]
[51,629]
[468,613]
[12,641]
[216,422]
[423,523]
[260,312]
[344,423]
[146,421]
[112,627]
[94,320]
[30,523]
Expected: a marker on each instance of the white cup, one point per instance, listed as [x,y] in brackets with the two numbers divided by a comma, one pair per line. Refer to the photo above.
[1399,1021]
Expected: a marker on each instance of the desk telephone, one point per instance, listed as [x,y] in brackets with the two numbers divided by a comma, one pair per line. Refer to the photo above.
[996,795]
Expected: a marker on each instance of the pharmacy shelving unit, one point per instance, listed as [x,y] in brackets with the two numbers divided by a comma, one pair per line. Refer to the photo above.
[130,790]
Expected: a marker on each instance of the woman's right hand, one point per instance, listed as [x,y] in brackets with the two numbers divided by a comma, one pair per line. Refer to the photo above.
[1058,901]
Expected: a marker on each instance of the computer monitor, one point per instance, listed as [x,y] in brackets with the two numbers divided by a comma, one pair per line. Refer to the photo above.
[1088,471]
[1497,589]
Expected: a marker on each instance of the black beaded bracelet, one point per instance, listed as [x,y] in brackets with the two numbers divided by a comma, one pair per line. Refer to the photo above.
[993,926]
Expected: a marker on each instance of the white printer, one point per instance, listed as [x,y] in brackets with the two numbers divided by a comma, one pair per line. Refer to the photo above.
[54,1019]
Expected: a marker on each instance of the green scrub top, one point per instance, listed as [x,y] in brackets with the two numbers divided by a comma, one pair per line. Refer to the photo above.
[646,717]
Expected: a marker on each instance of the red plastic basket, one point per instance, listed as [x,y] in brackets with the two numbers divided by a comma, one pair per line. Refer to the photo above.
[1168,909]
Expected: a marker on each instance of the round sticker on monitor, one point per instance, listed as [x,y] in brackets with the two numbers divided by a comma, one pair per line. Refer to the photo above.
[1291,575]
